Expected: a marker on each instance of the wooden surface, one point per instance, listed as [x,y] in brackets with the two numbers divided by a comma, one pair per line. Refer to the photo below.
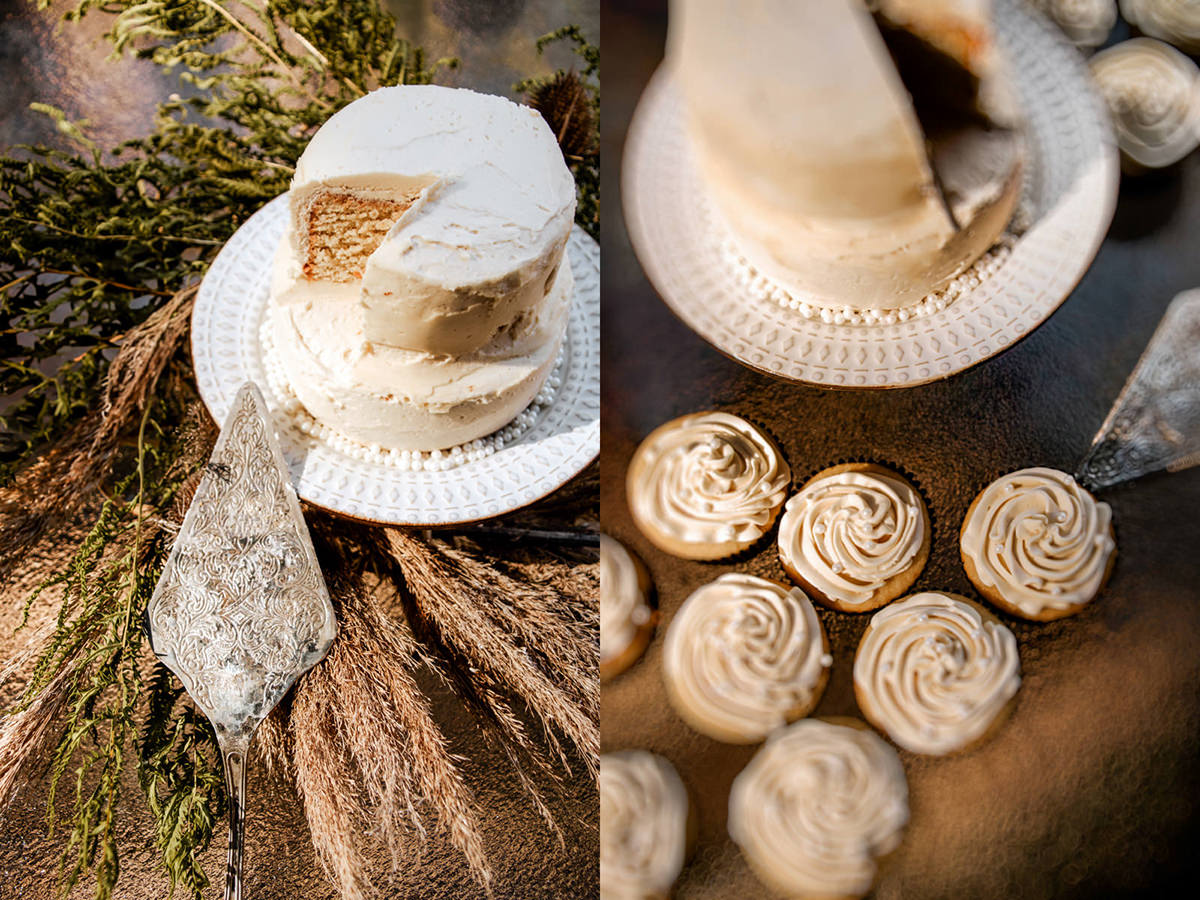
[1092,789]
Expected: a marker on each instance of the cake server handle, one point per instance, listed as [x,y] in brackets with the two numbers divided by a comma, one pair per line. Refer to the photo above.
[234,752]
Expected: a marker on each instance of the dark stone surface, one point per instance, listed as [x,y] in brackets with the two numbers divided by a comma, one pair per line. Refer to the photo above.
[1091,789]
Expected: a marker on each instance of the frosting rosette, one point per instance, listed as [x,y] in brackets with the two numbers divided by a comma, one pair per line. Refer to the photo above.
[848,534]
[934,673]
[744,656]
[643,825]
[1039,541]
[817,806]
[707,484]
[624,611]
[1153,94]
[1174,21]
[1086,23]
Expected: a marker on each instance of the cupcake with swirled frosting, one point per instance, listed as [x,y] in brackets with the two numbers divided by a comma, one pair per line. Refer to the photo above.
[627,619]
[706,486]
[1174,21]
[1038,545]
[817,807]
[1086,23]
[936,672]
[744,656]
[855,536]
[1153,95]
[645,826]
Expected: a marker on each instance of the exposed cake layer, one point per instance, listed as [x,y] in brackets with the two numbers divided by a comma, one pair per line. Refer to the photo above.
[447,210]
[810,143]
[410,400]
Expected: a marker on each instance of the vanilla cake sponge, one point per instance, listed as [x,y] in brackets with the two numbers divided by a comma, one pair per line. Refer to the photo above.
[446,211]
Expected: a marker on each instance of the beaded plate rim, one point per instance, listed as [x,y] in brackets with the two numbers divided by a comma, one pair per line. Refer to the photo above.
[1072,186]
[564,440]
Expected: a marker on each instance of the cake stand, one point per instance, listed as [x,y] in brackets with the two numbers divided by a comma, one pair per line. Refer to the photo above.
[561,442]
[1069,194]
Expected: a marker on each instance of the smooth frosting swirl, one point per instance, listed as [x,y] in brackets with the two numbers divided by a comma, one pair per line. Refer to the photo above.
[1039,540]
[934,674]
[1153,94]
[1086,23]
[623,607]
[744,656]
[817,806]
[707,478]
[1174,21]
[849,533]
[643,825]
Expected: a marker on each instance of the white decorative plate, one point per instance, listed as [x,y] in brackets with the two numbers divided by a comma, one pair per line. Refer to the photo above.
[560,444]
[1070,192]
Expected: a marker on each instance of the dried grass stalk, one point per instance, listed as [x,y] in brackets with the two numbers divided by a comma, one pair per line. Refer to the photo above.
[367,752]
[25,734]
[54,487]
[508,638]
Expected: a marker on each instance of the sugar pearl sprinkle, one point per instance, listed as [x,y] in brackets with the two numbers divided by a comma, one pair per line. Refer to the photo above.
[287,406]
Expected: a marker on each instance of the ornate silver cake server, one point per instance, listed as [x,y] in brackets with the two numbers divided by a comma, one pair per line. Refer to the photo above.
[1155,422]
[241,610]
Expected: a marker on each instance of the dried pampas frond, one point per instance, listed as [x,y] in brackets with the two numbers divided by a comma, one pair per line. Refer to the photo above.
[53,488]
[366,752]
[26,733]
[503,638]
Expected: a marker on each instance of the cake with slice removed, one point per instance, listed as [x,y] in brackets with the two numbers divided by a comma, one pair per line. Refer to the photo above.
[420,292]
[856,154]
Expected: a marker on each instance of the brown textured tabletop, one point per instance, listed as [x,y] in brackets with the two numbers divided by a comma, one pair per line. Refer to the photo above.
[67,67]
[1092,788]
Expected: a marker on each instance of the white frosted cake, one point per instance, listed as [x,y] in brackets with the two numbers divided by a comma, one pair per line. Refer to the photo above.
[856,153]
[420,293]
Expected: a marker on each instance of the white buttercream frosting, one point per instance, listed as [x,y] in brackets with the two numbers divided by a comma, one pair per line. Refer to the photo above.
[480,246]
[623,608]
[403,399]
[849,533]
[807,140]
[451,320]
[1086,23]
[744,656]
[1174,21]
[817,806]
[1153,95]
[934,673]
[707,479]
[643,826]
[1039,540]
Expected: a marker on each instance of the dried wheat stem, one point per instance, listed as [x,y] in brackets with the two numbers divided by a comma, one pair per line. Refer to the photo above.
[24,734]
[512,637]
[363,706]
[57,484]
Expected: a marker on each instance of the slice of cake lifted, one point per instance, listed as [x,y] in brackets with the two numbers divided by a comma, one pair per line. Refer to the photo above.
[859,155]
[419,295]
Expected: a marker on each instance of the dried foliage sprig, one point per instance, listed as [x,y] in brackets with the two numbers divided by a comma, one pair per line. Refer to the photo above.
[90,672]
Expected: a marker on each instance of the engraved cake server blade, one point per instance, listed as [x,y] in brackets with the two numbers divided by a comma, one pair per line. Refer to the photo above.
[241,610]
[1155,422]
